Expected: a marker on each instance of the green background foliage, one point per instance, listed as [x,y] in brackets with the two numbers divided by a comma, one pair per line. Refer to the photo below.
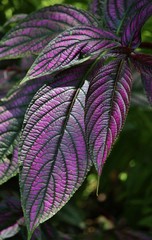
[124,203]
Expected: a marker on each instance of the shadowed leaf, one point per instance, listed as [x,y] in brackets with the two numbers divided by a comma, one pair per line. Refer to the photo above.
[37,30]
[143,63]
[132,32]
[107,104]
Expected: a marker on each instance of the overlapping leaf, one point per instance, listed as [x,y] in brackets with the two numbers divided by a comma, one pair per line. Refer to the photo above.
[72,47]
[107,104]
[143,63]
[36,30]
[12,110]
[53,147]
[132,33]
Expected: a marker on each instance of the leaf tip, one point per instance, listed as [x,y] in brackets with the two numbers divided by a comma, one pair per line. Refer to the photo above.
[25,79]
[98,179]
[98,184]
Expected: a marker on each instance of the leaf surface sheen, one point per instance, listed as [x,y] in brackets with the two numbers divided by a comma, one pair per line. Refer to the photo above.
[53,148]
[107,104]
[70,48]
[12,110]
[39,28]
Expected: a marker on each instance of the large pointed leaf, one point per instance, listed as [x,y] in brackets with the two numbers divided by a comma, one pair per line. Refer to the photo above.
[36,30]
[72,47]
[132,33]
[12,110]
[143,63]
[107,104]
[53,148]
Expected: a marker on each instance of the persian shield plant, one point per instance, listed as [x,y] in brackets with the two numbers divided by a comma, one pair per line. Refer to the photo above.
[67,112]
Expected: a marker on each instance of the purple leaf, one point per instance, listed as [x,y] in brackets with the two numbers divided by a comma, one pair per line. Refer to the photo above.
[143,63]
[116,13]
[12,110]
[72,47]
[36,30]
[9,164]
[10,210]
[11,216]
[10,231]
[107,104]
[132,33]
[15,19]
[96,8]
[53,148]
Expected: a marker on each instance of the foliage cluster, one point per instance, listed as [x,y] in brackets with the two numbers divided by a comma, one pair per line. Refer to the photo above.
[73,81]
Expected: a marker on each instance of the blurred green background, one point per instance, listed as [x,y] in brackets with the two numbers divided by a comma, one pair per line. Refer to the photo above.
[123,208]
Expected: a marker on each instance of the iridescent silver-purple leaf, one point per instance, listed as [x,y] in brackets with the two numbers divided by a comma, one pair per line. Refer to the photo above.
[107,104]
[12,110]
[143,63]
[37,30]
[132,33]
[53,148]
[72,47]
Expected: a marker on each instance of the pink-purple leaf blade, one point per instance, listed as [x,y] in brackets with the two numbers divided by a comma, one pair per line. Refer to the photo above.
[53,148]
[106,107]
[72,47]
[12,110]
[39,28]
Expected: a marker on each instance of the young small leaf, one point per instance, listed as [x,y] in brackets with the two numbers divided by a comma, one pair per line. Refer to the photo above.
[53,148]
[107,104]
[132,32]
[72,47]
[12,110]
[36,30]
